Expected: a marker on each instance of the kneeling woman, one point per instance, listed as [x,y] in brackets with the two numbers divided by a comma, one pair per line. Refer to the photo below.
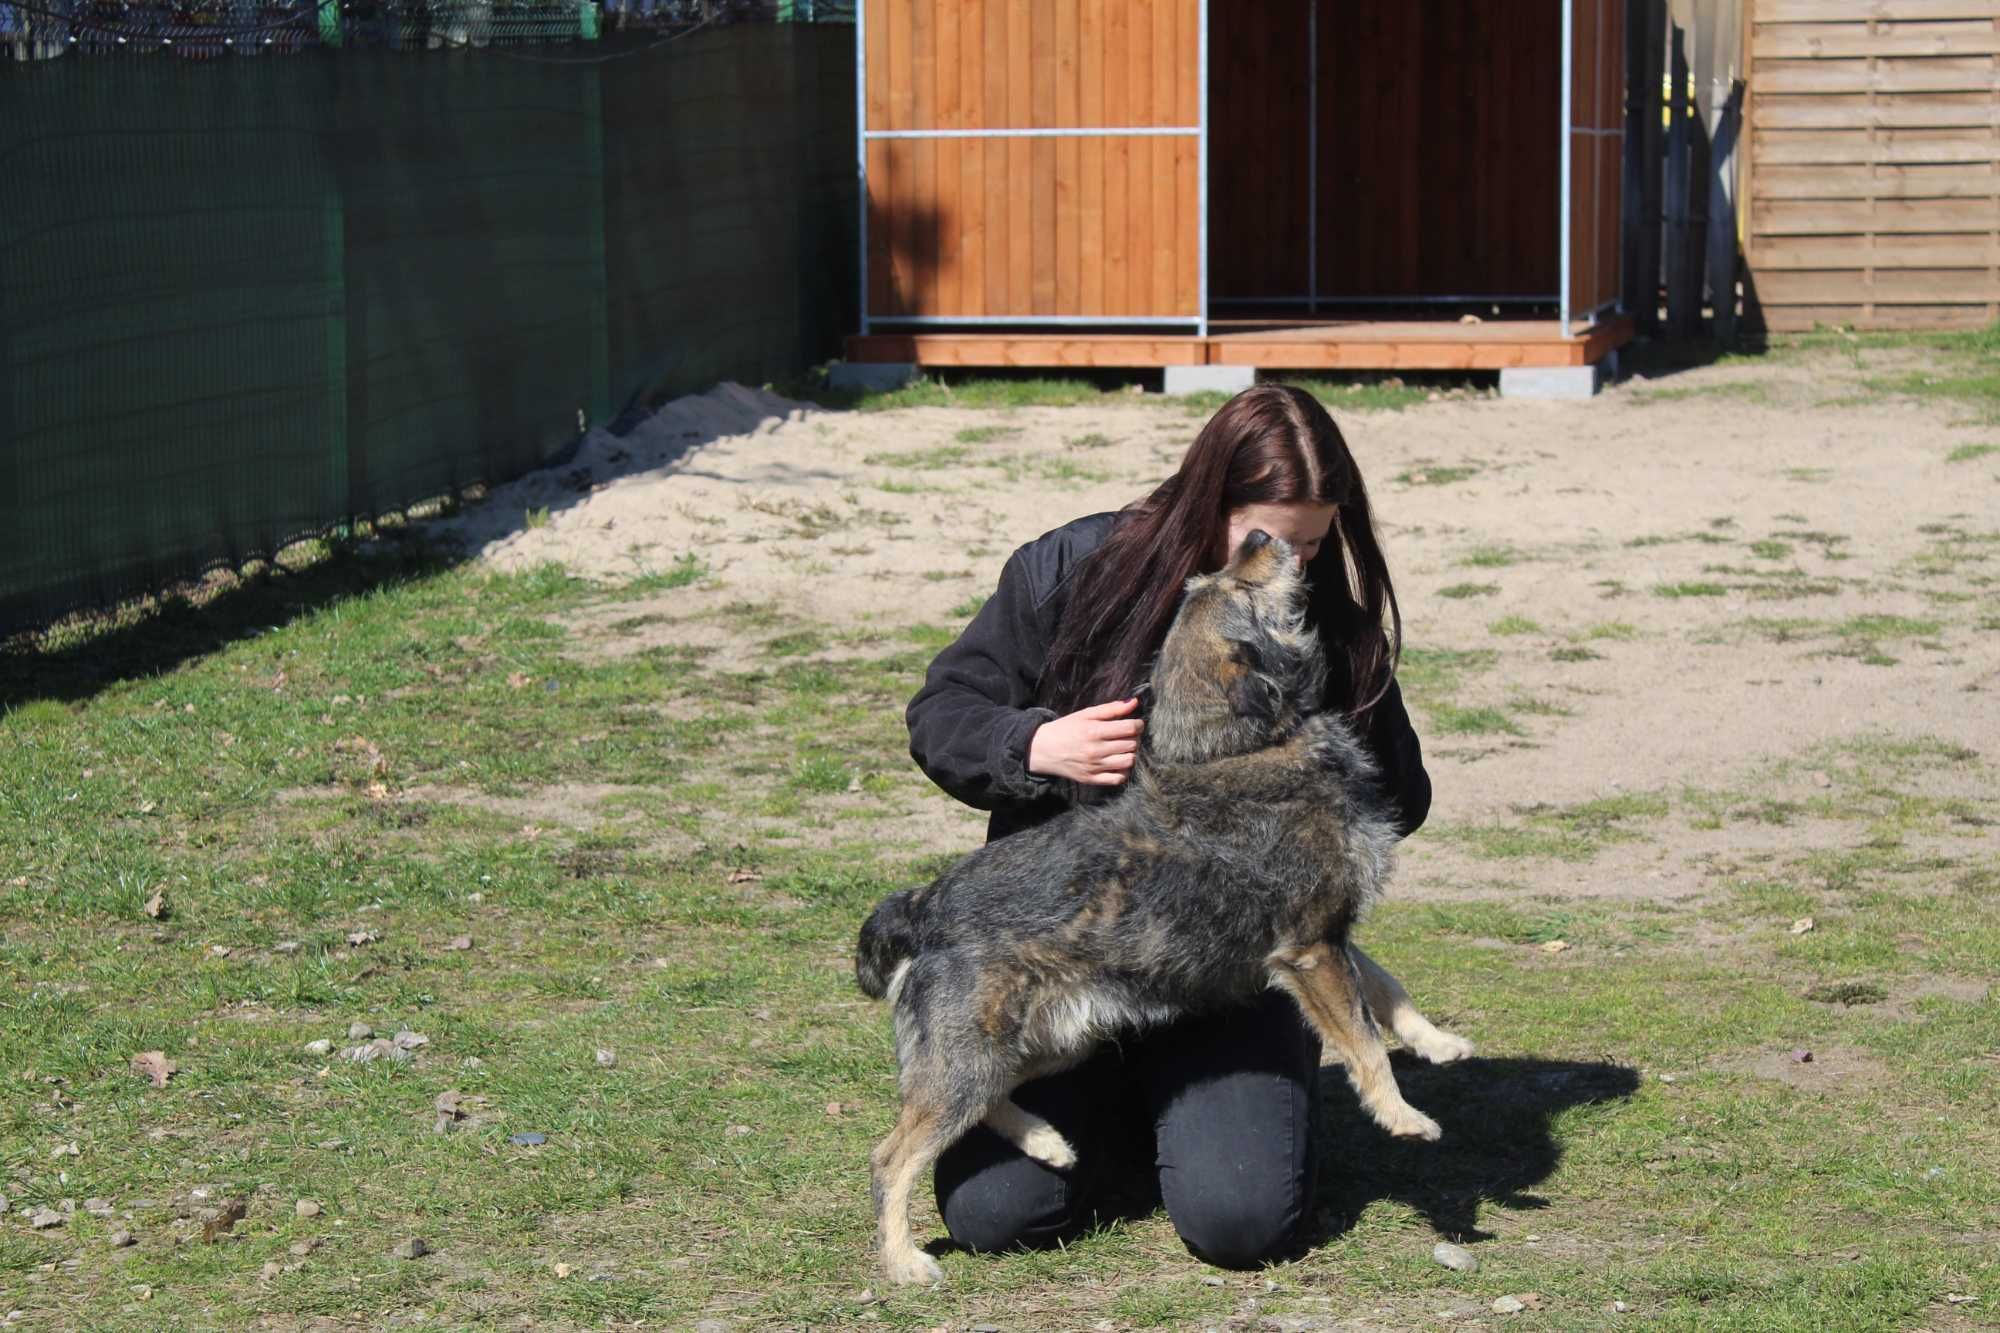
[1034,706]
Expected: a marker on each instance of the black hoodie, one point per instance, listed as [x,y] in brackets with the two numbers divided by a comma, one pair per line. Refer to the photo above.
[971,723]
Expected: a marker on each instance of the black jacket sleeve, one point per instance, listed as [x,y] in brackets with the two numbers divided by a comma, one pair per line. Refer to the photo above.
[1393,742]
[971,723]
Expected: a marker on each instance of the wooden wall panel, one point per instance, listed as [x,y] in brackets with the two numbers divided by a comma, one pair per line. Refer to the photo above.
[1596,140]
[1439,148]
[1259,101]
[1081,227]
[1873,171]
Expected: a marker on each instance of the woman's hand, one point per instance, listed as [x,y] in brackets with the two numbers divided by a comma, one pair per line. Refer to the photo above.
[1094,746]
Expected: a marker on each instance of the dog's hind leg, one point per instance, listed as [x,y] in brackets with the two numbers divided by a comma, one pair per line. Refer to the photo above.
[1031,1134]
[923,1131]
[1322,980]
[1390,1004]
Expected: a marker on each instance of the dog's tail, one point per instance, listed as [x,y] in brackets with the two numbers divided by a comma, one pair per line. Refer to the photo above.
[888,938]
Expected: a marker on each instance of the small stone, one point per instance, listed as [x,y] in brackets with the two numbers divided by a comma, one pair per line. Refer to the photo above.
[321,1047]
[864,1296]
[1455,1257]
[606,1058]
[118,1240]
[1666,1078]
[1802,1057]
[460,943]
[1801,926]
[738,1131]
[306,1208]
[270,1270]
[413,1248]
[1820,778]
[286,946]
[1619,1307]
[1210,1280]
[1508,1305]
[409,1040]
[96,1205]
[44,1218]
[141,1205]
[475,897]
[301,1249]
[985,1328]
[711,1326]
[359,1032]
[528,1140]
[1555,946]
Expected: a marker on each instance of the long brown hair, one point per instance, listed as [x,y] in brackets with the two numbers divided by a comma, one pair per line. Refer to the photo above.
[1271,444]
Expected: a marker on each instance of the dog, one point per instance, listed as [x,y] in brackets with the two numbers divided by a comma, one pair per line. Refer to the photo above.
[1249,838]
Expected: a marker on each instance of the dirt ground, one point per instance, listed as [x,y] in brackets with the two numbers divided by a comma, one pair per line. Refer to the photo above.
[1699,581]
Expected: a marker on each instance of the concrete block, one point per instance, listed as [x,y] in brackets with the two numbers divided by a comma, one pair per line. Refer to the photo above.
[1199,379]
[1551,381]
[873,376]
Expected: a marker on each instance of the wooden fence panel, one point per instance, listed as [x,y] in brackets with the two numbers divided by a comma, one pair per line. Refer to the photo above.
[1873,167]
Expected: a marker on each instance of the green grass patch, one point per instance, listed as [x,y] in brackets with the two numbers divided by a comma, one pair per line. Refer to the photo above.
[1436,476]
[985,434]
[1460,591]
[1491,557]
[1690,589]
[1513,625]
[1966,453]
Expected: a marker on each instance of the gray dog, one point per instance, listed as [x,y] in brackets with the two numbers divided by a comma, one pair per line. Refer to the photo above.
[1238,857]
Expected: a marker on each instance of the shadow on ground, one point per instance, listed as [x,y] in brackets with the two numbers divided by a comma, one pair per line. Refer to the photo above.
[1498,1142]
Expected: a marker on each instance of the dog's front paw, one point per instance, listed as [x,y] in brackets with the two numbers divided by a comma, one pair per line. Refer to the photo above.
[1410,1123]
[1441,1047]
[1046,1144]
[912,1269]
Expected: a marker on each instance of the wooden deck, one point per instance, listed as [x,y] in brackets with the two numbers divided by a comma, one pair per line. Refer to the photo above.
[1347,345]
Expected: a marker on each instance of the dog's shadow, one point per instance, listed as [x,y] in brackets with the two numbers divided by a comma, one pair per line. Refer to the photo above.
[1499,1141]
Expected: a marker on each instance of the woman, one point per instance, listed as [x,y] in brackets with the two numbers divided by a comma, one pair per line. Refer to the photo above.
[1035,705]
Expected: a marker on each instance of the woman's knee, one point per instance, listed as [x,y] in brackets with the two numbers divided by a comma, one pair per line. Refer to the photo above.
[1239,1230]
[1003,1202]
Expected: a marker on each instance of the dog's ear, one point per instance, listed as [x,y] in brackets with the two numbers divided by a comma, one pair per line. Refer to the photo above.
[1256,696]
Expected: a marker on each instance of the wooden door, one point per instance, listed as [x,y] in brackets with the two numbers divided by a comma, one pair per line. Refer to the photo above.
[1031,161]
[1593,141]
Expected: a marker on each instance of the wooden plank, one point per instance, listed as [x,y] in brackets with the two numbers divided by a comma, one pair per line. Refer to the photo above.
[1643,162]
[1166,217]
[972,200]
[1889,318]
[999,349]
[881,225]
[993,160]
[1822,217]
[1043,219]
[1019,183]
[900,87]
[1139,240]
[1090,157]
[1806,11]
[1187,183]
[1117,163]
[1903,112]
[1904,286]
[876,59]
[1964,250]
[1837,147]
[1945,75]
[1970,39]
[1887,182]
[1068,206]
[921,203]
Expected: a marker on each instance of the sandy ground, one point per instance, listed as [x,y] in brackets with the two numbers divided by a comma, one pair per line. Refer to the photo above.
[1575,515]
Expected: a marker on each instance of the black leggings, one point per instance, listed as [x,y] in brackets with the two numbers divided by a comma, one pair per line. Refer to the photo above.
[1229,1097]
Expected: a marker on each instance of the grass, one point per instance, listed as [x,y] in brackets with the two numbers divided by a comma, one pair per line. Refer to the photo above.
[1967,453]
[1690,589]
[1459,591]
[1513,625]
[666,854]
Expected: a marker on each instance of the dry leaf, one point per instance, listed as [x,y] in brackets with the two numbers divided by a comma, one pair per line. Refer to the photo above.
[1555,946]
[460,942]
[1801,926]
[744,877]
[219,1226]
[147,807]
[156,906]
[517,680]
[564,1270]
[155,1066]
[359,937]
[378,791]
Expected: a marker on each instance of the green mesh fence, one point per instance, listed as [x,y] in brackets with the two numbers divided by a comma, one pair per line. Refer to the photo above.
[243,301]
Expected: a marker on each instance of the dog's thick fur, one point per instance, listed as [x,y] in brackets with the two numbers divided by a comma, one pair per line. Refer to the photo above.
[1251,835]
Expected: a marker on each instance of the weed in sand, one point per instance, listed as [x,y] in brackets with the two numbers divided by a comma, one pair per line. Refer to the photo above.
[1464,590]
[1966,453]
[1513,625]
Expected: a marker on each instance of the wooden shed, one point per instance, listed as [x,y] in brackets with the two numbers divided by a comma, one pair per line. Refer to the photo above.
[1285,184]
[1873,176]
